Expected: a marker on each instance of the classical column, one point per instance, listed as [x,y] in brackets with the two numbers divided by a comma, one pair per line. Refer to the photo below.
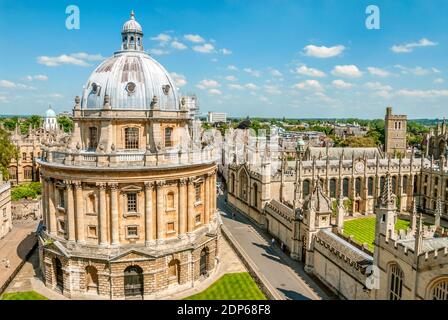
[102,221]
[148,213]
[190,205]
[160,206]
[207,199]
[71,212]
[79,202]
[114,225]
[45,203]
[182,207]
[52,207]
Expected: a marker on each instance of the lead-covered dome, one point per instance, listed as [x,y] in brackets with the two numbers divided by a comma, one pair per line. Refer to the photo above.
[131,78]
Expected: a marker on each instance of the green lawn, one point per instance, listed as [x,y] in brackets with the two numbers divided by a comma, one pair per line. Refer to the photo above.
[27,295]
[231,286]
[363,229]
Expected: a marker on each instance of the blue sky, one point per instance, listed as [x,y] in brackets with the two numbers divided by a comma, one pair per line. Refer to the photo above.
[267,58]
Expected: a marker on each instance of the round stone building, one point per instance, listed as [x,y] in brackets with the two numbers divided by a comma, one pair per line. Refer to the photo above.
[129,201]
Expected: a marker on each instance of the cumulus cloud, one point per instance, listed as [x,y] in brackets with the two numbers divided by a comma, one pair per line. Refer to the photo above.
[422,93]
[275,72]
[208,83]
[231,78]
[179,79]
[252,72]
[377,86]
[232,67]
[439,80]
[409,47]
[158,52]
[235,86]
[38,77]
[341,84]
[78,59]
[194,38]
[350,71]
[205,48]
[272,89]
[310,72]
[417,71]
[225,51]
[308,85]
[215,91]
[12,85]
[251,86]
[162,37]
[378,72]
[323,51]
[178,45]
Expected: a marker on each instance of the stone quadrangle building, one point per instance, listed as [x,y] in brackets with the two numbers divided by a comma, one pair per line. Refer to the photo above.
[5,207]
[129,201]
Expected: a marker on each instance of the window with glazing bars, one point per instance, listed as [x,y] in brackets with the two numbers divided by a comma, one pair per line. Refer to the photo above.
[131,138]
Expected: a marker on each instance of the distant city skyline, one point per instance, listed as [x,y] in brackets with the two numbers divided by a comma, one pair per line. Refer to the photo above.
[293,59]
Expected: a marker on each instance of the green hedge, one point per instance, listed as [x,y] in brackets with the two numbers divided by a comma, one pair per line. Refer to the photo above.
[27,190]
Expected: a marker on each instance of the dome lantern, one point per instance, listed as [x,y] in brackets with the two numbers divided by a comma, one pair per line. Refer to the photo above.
[132,35]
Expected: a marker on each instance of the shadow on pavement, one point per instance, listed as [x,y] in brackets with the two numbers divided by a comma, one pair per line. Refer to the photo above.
[292,295]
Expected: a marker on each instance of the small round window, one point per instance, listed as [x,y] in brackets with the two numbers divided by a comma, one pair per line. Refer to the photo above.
[130,87]
[166,89]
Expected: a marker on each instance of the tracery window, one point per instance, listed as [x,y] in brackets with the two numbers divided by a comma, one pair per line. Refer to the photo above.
[370,186]
[306,188]
[440,290]
[333,188]
[395,282]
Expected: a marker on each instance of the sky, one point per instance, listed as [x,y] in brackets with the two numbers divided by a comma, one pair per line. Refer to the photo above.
[258,58]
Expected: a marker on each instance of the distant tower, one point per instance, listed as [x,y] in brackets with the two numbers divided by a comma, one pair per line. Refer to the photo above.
[395,133]
[50,121]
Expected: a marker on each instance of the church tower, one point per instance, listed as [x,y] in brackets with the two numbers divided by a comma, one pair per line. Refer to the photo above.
[395,133]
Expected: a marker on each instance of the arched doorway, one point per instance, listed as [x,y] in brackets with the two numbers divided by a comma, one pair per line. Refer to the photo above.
[174,271]
[203,262]
[133,282]
[91,279]
[59,274]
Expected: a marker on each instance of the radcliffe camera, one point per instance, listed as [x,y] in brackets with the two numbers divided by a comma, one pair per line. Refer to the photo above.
[251,156]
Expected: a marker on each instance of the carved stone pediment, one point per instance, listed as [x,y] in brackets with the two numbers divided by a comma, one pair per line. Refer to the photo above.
[131,255]
[131,188]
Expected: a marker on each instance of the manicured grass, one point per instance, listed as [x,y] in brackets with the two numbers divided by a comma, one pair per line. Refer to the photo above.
[363,229]
[231,286]
[26,295]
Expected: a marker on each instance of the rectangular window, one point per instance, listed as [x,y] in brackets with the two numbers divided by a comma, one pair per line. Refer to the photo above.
[132,202]
[197,219]
[170,227]
[197,192]
[91,232]
[4,212]
[132,231]
[131,138]
[168,137]
[24,156]
[61,197]
[93,138]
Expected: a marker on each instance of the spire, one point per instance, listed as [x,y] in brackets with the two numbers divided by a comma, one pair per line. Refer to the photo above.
[438,213]
[387,199]
[132,15]
[414,216]
[419,237]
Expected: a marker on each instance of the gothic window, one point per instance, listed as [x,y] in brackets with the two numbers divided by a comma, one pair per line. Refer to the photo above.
[255,195]
[197,192]
[243,186]
[394,185]
[306,188]
[12,171]
[382,182]
[345,187]
[358,186]
[28,173]
[233,183]
[93,138]
[405,184]
[436,181]
[370,186]
[168,137]
[439,290]
[132,202]
[333,188]
[24,156]
[131,138]
[170,201]
[395,282]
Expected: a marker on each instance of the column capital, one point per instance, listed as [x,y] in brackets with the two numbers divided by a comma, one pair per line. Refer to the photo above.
[101,185]
[210,174]
[190,180]
[149,185]
[77,184]
[182,181]
[113,185]
[160,183]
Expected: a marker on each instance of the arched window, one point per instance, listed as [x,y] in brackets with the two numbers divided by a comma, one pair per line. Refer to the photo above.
[28,173]
[439,290]
[243,186]
[306,188]
[395,282]
[91,279]
[197,192]
[24,156]
[133,281]
[203,262]
[345,187]
[90,203]
[12,172]
[358,186]
[255,191]
[59,274]
[382,182]
[174,270]
[370,186]
[168,137]
[333,188]
[93,138]
[232,183]
[170,201]
[131,138]
[405,184]
[394,184]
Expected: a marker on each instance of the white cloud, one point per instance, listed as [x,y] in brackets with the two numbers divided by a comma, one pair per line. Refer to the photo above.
[310,72]
[378,72]
[62,59]
[205,48]
[178,45]
[409,47]
[439,80]
[12,85]
[225,51]
[275,72]
[422,93]
[272,89]
[252,72]
[215,91]
[3,99]
[179,79]
[231,78]
[251,86]
[232,67]
[87,57]
[341,84]
[378,86]
[264,99]
[417,71]
[158,52]
[39,77]
[308,85]
[350,71]
[194,38]
[162,37]
[323,51]
[235,86]
[208,83]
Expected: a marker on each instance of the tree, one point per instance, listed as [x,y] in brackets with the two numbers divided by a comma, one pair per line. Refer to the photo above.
[8,151]
[358,142]
[66,123]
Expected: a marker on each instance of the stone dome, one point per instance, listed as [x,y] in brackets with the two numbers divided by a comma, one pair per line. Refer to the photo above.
[131,78]
[50,113]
